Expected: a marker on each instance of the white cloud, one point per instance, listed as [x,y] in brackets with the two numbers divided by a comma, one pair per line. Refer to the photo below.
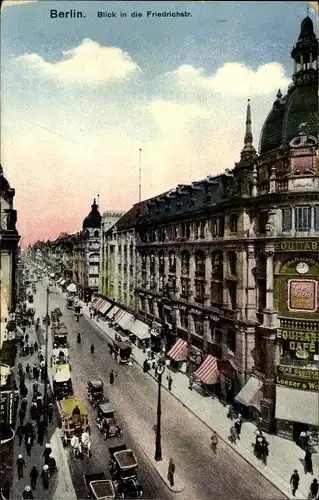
[172,118]
[233,78]
[89,63]
[9,3]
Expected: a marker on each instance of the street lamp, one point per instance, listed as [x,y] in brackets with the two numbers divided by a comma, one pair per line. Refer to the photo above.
[159,370]
[45,398]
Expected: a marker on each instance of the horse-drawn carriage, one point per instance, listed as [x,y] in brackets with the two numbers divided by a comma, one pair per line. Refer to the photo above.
[121,351]
[95,391]
[98,487]
[123,470]
[106,420]
[75,424]
[62,383]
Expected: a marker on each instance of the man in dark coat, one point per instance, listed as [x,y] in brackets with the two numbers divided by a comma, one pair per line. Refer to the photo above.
[314,488]
[28,443]
[294,481]
[45,476]
[47,452]
[111,377]
[308,462]
[20,466]
[20,433]
[24,391]
[34,476]
[33,411]
[27,493]
[40,432]
[50,411]
[21,415]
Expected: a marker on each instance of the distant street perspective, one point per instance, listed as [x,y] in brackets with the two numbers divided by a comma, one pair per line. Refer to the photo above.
[166,349]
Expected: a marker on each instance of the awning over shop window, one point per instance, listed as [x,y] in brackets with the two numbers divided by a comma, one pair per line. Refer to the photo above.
[140,330]
[297,406]
[125,320]
[112,312]
[118,315]
[208,371]
[179,351]
[105,307]
[97,303]
[251,394]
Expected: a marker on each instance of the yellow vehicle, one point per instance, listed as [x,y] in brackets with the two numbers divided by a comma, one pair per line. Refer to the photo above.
[74,419]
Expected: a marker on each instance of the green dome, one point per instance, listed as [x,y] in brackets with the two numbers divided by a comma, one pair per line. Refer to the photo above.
[271,134]
[302,107]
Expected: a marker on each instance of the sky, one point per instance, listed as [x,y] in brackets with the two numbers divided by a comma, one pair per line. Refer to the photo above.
[81,96]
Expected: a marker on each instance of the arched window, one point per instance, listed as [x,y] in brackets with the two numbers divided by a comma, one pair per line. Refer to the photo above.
[96,233]
[185,261]
[199,263]
[172,261]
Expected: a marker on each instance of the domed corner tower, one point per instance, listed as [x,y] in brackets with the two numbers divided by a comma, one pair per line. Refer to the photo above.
[293,119]
[92,236]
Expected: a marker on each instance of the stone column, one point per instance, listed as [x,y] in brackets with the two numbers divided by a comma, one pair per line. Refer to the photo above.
[191,291]
[241,270]
[155,308]
[191,327]
[208,278]
[148,270]
[208,233]
[269,313]
[251,307]
[156,272]
[166,267]
[178,275]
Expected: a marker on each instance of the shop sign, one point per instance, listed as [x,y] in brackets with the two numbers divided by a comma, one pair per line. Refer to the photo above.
[301,341]
[7,403]
[296,246]
[302,295]
[297,378]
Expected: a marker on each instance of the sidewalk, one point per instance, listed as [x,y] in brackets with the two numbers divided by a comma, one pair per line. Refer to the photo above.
[284,455]
[61,483]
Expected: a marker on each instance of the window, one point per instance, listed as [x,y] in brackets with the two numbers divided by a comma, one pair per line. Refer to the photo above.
[262,221]
[303,218]
[232,258]
[200,290]
[233,223]
[261,294]
[143,261]
[231,340]
[172,262]
[217,292]
[185,262]
[184,319]
[232,287]
[217,264]
[184,286]
[202,229]
[213,227]
[199,263]
[286,220]
[220,226]
[198,326]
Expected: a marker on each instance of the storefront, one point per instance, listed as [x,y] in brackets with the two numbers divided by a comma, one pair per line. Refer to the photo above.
[228,378]
[207,375]
[249,398]
[194,359]
[178,355]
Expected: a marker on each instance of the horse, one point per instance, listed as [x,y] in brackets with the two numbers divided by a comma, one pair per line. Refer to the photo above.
[76,447]
[86,444]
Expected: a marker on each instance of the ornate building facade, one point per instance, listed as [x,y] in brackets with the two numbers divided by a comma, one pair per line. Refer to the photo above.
[229,264]
[109,218]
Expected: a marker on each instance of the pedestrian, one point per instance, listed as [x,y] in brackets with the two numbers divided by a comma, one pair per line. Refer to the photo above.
[20,465]
[34,476]
[308,462]
[294,481]
[21,415]
[26,338]
[171,471]
[39,404]
[27,492]
[20,433]
[28,441]
[47,452]
[169,382]
[50,412]
[24,391]
[238,424]
[36,374]
[233,434]
[302,440]
[45,476]
[111,377]
[40,432]
[34,370]
[24,405]
[314,488]
[214,442]
[191,383]
[42,374]
[51,464]
[33,411]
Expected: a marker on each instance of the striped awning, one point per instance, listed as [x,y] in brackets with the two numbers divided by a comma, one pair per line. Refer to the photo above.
[208,371]
[105,306]
[100,305]
[97,303]
[125,320]
[118,315]
[179,351]
[112,312]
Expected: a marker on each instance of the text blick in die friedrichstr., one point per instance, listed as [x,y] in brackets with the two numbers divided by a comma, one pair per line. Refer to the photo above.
[150,14]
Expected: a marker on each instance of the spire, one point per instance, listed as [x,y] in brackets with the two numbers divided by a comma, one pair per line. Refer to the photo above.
[248,140]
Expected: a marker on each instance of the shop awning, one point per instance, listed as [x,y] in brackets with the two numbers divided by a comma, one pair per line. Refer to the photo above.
[112,311]
[118,315]
[251,392]
[208,371]
[105,307]
[62,282]
[179,351]
[125,320]
[97,303]
[297,406]
[71,288]
[140,330]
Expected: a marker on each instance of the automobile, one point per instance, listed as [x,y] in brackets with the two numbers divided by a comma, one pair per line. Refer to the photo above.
[123,471]
[98,486]
[121,351]
[62,384]
[106,420]
[95,391]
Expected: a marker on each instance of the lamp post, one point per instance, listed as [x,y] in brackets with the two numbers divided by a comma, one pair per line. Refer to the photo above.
[45,398]
[159,370]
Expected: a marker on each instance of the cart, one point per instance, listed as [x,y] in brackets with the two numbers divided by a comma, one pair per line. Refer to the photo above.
[121,351]
[98,487]
[123,472]
[74,419]
[95,391]
[106,420]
